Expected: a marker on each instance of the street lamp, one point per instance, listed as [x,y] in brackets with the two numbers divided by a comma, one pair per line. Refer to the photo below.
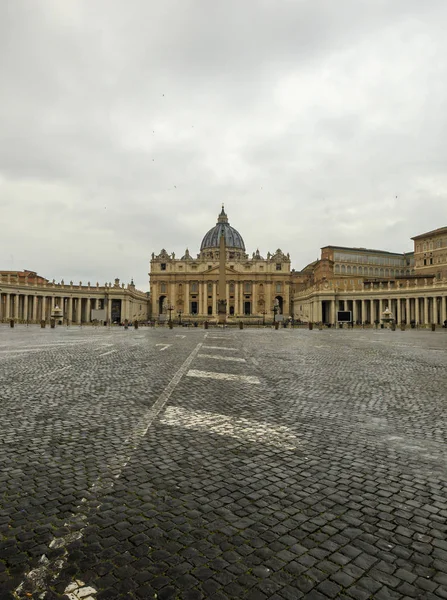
[179,317]
[263,313]
[275,310]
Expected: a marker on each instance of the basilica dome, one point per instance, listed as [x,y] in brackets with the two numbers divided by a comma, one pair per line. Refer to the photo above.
[233,238]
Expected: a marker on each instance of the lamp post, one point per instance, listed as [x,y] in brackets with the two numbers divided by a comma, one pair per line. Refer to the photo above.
[179,317]
[263,313]
[275,310]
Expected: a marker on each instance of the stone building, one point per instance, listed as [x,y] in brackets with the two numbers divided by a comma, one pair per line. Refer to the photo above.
[366,282]
[188,286]
[27,297]
[430,252]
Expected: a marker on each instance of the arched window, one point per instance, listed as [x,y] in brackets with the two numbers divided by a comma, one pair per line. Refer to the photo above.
[337,268]
[278,287]
[163,288]
[348,270]
[343,269]
[381,273]
[354,270]
[360,270]
[232,288]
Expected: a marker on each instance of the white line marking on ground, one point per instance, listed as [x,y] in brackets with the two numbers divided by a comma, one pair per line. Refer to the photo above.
[240,428]
[226,376]
[79,591]
[19,351]
[217,337]
[56,371]
[165,346]
[218,357]
[38,580]
[180,336]
[109,352]
[219,348]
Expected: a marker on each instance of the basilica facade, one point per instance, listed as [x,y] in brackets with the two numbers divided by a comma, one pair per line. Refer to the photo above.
[257,287]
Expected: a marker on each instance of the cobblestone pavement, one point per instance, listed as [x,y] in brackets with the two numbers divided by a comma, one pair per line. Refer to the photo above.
[223,464]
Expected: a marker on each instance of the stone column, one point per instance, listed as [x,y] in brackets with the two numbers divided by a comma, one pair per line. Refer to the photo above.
[416,310]
[214,301]
[408,311]
[7,305]
[34,308]
[25,307]
[332,312]
[186,306]
[354,311]
[443,309]
[200,295]
[435,310]
[16,306]
[399,311]
[425,311]
[78,310]
[70,309]
[254,299]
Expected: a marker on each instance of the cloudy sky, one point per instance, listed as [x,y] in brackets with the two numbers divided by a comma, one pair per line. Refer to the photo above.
[125,125]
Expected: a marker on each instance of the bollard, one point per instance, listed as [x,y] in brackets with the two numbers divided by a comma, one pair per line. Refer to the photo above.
[393,326]
[320,327]
[171,324]
[311,326]
[402,326]
[11,322]
[433,327]
[241,325]
[135,324]
[42,324]
[52,323]
[276,325]
[205,325]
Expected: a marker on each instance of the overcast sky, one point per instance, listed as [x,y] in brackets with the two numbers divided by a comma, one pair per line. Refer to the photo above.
[125,125]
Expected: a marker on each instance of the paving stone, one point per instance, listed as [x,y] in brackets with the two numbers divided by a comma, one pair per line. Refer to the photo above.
[320,481]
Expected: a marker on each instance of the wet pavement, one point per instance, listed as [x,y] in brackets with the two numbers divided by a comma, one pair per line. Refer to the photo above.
[223,464]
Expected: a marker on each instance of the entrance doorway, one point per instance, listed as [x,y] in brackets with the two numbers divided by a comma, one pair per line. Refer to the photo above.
[279,301]
[194,308]
[247,308]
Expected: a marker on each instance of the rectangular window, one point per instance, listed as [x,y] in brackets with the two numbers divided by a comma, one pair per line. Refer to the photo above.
[278,266]
[163,266]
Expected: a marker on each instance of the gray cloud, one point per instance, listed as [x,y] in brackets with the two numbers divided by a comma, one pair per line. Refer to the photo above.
[123,127]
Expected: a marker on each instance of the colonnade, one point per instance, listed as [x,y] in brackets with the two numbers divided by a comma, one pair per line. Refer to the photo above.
[200,298]
[421,310]
[36,307]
